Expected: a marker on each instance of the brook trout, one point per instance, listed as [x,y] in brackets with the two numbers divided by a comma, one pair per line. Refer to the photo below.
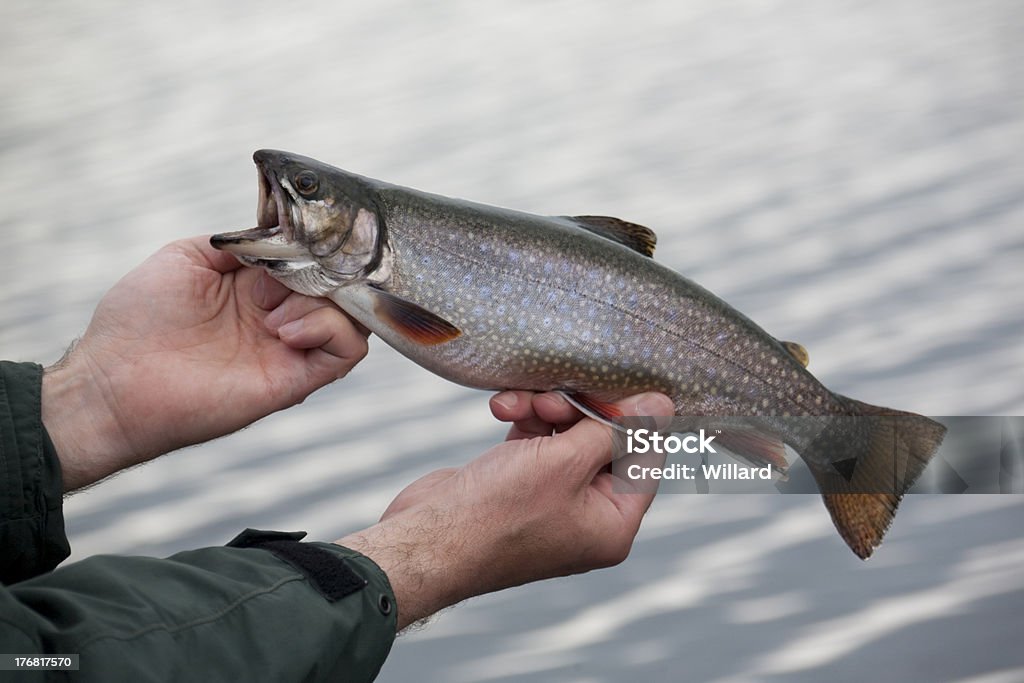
[498,299]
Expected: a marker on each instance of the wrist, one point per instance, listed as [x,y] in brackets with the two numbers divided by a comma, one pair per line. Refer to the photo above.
[85,433]
[422,570]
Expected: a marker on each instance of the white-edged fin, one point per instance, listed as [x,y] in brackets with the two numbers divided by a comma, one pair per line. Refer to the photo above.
[593,409]
[411,320]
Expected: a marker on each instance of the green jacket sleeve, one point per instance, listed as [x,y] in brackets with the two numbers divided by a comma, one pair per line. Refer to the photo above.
[265,607]
[281,611]
[32,537]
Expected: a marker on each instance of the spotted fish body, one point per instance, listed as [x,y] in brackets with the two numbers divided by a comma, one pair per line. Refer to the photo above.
[544,304]
[498,299]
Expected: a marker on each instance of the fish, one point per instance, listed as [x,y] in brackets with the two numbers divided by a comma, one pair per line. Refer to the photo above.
[497,299]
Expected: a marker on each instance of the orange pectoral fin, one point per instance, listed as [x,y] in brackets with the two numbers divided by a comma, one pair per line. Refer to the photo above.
[415,322]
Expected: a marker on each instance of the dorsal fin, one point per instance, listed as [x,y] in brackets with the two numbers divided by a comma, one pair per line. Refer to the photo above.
[636,237]
[797,351]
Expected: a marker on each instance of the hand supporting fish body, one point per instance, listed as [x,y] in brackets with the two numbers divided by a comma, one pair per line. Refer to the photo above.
[498,299]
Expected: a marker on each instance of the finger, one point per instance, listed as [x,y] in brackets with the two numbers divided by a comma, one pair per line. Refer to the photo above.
[551,407]
[510,406]
[529,429]
[632,504]
[294,307]
[517,407]
[592,440]
[325,328]
[339,344]
[199,250]
[554,408]
[626,486]
[268,293]
[631,497]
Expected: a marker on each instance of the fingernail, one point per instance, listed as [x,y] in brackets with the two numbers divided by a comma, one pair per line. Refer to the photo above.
[558,397]
[653,405]
[294,327]
[274,319]
[259,292]
[506,400]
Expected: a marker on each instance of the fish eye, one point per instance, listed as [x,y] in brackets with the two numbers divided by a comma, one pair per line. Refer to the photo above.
[306,182]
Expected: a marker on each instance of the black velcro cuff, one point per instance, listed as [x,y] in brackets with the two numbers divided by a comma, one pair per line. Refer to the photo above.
[331,575]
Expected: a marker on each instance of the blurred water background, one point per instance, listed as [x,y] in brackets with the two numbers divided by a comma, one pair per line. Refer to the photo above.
[849,174]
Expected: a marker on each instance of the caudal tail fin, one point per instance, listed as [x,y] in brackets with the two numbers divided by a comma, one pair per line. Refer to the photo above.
[864,464]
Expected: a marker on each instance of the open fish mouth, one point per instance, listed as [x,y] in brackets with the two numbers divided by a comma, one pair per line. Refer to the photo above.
[273,208]
[273,238]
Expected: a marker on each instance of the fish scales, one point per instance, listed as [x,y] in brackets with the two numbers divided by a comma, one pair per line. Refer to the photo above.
[618,322]
[499,299]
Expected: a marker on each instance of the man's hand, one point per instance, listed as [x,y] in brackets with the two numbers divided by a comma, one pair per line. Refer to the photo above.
[183,350]
[534,507]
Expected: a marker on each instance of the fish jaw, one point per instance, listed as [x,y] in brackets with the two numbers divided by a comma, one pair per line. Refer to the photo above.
[273,238]
[260,244]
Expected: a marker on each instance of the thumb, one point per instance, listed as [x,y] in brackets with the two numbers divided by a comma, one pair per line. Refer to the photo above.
[593,440]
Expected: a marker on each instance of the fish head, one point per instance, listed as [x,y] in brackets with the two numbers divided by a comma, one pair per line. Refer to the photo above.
[317,227]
